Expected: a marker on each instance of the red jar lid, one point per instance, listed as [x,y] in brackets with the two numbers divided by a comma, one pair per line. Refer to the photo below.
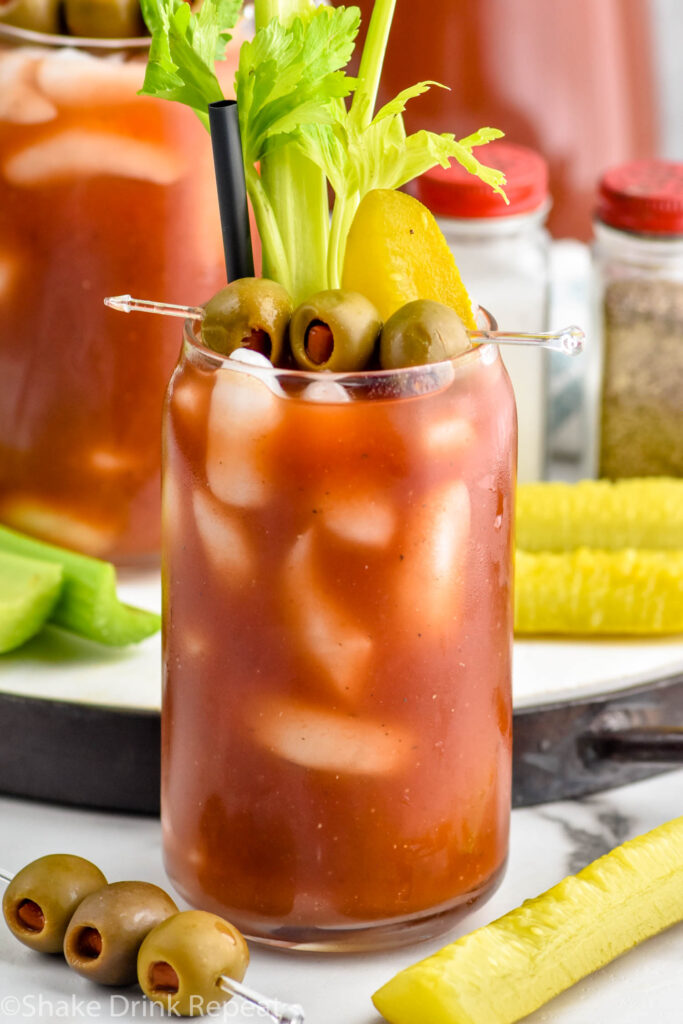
[645,196]
[454,192]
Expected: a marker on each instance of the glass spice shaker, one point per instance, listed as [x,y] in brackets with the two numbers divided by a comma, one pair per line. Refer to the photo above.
[638,259]
[502,252]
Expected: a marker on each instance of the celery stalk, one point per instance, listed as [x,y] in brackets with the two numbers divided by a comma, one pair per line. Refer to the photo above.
[297,193]
[342,217]
[372,59]
[274,255]
[88,604]
[297,133]
[29,590]
[297,190]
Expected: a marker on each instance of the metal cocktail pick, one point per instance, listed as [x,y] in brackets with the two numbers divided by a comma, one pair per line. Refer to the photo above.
[279,1013]
[569,340]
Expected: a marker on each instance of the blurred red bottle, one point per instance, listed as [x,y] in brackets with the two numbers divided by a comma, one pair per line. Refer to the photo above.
[573,81]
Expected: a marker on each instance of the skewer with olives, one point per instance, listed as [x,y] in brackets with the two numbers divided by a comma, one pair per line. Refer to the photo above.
[333,330]
[112,934]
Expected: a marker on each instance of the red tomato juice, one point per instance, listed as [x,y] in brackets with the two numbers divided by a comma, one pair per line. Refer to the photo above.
[337,575]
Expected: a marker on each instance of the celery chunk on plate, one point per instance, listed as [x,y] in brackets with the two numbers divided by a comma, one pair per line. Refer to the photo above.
[88,604]
[29,590]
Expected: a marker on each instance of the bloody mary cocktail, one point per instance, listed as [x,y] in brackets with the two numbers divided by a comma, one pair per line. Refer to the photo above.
[337,644]
[99,187]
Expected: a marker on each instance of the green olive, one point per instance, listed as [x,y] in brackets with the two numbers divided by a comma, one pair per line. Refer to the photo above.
[334,330]
[104,19]
[36,15]
[422,332]
[107,929]
[181,961]
[251,312]
[41,898]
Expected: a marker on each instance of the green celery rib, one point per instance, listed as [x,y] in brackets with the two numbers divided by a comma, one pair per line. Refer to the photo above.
[88,604]
[296,190]
[29,590]
[372,59]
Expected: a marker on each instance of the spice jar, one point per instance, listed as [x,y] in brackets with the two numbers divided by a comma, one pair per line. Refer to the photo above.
[638,257]
[502,251]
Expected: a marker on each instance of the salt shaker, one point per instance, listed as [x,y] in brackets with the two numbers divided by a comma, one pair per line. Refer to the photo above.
[502,252]
[638,260]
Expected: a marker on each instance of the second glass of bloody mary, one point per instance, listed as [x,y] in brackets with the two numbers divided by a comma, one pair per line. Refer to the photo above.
[98,186]
[337,573]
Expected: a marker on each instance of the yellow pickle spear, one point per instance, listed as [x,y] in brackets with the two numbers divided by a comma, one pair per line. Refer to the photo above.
[610,514]
[588,592]
[501,973]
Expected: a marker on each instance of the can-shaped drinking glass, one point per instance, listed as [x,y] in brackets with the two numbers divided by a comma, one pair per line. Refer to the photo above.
[337,567]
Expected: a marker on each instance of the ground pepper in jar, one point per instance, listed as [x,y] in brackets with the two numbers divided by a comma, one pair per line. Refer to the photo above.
[639,261]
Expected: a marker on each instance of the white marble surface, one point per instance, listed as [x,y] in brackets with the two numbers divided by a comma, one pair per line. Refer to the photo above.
[547,843]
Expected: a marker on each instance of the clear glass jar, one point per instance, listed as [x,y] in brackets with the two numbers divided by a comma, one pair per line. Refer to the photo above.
[102,192]
[638,259]
[503,254]
[337,579]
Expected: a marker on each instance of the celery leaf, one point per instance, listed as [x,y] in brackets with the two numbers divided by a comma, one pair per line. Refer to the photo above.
[184,49]
[358,155]
[287,76]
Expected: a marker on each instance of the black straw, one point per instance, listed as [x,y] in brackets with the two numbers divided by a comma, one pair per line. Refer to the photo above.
[232,190]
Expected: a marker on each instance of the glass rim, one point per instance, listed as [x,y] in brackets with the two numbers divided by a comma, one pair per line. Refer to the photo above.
[14,34]
[482,352]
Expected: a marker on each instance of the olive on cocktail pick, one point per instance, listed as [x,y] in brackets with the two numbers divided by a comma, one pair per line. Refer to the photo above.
[108,927]
[195,960]
[422,332]
[334,330]
[41,898]
[252,312]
